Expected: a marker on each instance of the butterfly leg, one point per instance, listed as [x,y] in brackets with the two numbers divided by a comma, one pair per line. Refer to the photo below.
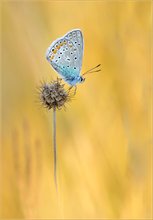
[70,88]
[74,89]
[59,79]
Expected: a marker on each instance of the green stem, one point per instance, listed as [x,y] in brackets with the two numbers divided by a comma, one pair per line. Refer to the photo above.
[55,147]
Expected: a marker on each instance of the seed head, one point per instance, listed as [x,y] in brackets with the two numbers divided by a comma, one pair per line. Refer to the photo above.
[54,95]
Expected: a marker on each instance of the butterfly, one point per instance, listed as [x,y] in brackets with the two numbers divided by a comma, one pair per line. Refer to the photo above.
[65,56]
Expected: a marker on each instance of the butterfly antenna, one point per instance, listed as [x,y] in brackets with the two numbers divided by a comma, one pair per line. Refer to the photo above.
[92,70]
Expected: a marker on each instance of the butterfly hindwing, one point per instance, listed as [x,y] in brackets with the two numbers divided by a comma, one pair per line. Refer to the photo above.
[76,39]
[65,54]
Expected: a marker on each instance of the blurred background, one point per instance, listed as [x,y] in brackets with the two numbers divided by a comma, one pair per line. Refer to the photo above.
[103,136]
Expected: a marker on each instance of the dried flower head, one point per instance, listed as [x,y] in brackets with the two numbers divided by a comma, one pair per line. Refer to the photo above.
[54,95]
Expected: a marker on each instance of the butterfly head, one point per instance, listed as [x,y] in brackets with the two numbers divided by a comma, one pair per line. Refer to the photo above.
[82,79]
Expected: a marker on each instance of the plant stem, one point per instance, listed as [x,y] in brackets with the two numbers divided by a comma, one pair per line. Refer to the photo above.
[55,148]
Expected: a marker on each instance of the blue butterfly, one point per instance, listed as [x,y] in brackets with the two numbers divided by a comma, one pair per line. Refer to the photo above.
[65,55]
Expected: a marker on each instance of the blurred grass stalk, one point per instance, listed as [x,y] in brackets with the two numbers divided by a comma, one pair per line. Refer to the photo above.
[27,169]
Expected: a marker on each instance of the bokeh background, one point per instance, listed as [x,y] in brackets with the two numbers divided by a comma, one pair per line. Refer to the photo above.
[103,136]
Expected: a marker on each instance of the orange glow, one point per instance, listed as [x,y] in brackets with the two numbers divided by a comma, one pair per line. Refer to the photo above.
[104,139]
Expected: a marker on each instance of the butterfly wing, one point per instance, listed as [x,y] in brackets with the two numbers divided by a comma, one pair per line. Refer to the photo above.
[75,38]
[65,55]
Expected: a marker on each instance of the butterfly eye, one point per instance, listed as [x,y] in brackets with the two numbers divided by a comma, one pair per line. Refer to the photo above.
[53,49]
[75,58]
[75,42]
[74,67]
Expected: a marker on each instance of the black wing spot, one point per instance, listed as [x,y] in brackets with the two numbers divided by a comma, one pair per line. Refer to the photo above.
[68,59]
[59,57]
[79,44]
[60,52]
[75,58]
[56,61]
[67,66]
[71,53]
[75,42]
[74,67]
[53,49]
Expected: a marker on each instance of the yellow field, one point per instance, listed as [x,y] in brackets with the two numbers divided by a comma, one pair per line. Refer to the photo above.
[103,137]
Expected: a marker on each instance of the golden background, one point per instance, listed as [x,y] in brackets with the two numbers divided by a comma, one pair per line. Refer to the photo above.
[103,137]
